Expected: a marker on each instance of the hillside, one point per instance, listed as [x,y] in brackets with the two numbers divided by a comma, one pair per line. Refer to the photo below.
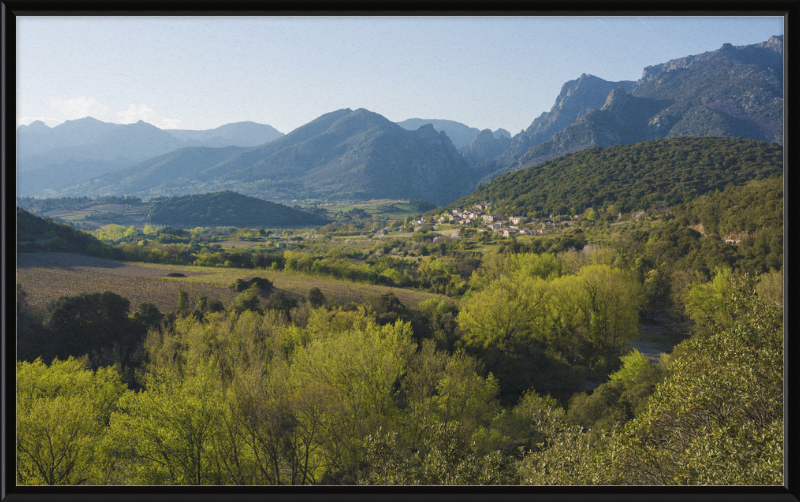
[223,209]
[730,92]
[632,176]
[35,234]
[146,178]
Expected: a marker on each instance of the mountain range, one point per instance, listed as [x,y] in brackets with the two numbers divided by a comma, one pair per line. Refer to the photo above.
[347,154]
[342,154]
[87,147]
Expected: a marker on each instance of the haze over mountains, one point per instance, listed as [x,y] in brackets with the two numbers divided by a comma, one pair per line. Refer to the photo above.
[347,154]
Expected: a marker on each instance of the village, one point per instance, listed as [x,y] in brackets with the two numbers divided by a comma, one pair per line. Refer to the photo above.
[478,218]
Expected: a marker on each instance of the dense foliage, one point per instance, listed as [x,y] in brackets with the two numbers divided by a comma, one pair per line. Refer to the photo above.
[629,176]
[246,397]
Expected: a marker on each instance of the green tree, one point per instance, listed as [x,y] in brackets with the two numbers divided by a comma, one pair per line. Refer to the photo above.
[315,297]
[508,310]
[92,323]
[183,302]
[171,428]
[62,413]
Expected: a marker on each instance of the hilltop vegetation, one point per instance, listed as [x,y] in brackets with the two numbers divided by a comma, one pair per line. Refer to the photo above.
[629,176]
[222,209]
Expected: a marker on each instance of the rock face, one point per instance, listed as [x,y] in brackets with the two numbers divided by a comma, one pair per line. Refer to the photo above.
[733,91]
[576,99]
[486,146]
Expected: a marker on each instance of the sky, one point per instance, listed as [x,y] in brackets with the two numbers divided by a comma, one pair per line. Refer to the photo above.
[203,72]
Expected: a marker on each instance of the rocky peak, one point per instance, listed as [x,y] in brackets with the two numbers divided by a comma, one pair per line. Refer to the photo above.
[728,51]
[774,43]
[616,100]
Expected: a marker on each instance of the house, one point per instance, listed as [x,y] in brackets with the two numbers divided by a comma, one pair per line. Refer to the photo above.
[508,232]
[517,219]
[488,218]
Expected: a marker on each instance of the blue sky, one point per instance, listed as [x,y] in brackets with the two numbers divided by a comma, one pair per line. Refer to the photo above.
[202,72]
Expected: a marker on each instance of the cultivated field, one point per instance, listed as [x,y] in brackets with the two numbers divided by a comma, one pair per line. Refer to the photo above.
[46,276]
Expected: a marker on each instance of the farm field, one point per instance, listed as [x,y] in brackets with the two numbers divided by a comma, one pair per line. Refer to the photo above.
[44,284]
[46,276]
[128,215]
[400,208]
[298,284]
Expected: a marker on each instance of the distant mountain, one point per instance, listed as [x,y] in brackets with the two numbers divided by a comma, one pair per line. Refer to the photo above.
[730,92]
[458,133]
[223,209]
[235,134]
[343,154]
[576,99]
[629,176]
[484,147]
[81,149]
[500,133]
[38,138]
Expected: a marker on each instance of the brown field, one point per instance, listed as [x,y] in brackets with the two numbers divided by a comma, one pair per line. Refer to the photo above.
[46,276]
[46,284]
[245,244]
[129,214]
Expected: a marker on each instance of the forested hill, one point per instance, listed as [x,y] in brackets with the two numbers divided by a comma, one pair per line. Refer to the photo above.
[35,234]
[629,176]
[222,209]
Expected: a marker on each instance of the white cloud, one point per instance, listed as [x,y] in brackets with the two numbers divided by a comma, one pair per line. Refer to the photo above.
[135,113]
[169,123]
[80,107]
